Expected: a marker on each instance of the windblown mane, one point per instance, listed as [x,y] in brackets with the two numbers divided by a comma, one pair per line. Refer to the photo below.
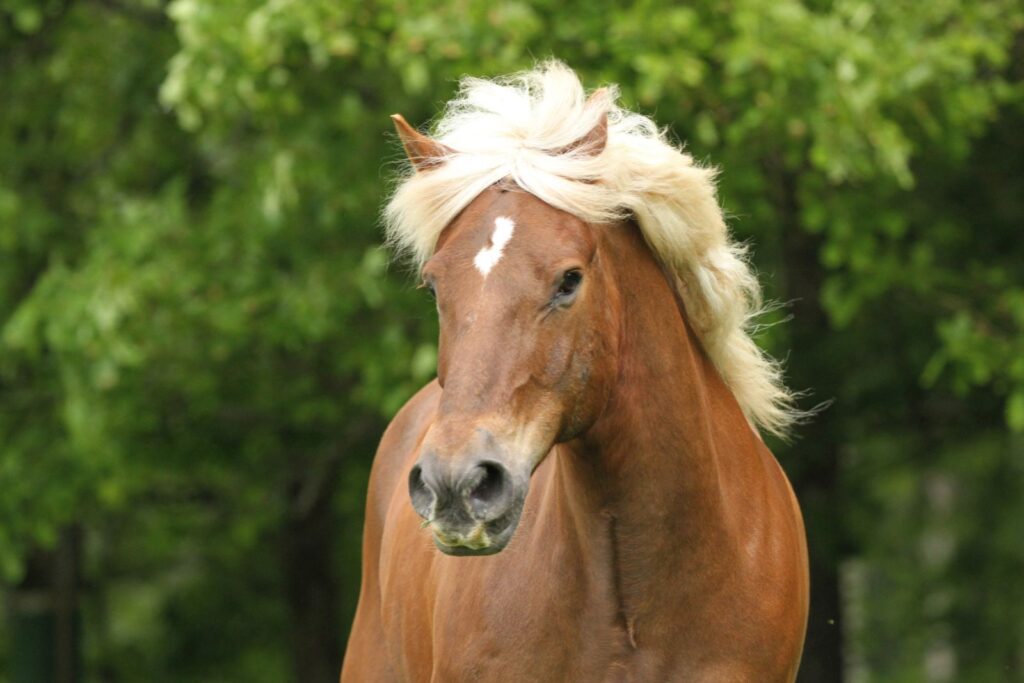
[522,127]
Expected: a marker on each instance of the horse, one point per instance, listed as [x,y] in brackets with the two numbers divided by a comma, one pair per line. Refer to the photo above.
[583,492]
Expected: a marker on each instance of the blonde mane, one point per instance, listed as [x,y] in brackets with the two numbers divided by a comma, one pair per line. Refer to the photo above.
[508,128]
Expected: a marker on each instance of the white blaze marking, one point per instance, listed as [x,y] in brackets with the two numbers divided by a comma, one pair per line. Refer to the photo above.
[490,255]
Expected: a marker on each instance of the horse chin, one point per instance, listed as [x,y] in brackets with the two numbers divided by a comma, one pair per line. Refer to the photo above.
[465,551]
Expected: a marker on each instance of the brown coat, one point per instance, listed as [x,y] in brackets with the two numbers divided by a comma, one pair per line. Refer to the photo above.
[658,538]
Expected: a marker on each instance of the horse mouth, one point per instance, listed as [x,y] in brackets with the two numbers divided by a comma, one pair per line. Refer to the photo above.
[482,539]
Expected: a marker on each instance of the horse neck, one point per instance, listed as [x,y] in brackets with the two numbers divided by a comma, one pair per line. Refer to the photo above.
[659,465]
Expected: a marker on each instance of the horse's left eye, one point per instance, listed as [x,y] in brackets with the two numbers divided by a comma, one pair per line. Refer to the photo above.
[570,283]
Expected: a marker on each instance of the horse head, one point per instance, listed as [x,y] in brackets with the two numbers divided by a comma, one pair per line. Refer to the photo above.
[526,356]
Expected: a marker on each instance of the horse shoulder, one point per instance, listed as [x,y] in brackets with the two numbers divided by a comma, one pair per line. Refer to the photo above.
[366,658]
[776,558]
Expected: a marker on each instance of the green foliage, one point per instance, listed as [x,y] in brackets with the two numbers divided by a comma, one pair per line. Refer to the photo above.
[196,315]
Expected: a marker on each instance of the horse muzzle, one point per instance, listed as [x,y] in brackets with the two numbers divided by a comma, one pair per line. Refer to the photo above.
[471,508]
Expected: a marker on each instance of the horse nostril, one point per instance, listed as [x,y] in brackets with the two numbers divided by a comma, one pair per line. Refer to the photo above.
[420,493]
[490,484]
[490,495]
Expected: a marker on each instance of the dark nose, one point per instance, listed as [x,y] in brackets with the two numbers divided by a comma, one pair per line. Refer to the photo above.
[481,492]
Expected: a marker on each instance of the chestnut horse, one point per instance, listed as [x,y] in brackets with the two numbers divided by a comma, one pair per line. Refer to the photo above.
[590,500]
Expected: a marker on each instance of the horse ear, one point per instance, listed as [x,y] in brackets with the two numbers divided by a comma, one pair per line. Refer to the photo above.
[423,152]
[594,142]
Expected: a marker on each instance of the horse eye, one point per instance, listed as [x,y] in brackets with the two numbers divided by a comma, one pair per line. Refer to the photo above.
[429,286]
[570,283]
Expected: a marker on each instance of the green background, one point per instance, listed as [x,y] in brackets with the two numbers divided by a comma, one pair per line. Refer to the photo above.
[201,339]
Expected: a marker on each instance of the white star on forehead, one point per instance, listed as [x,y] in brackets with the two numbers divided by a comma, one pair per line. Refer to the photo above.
[490,255]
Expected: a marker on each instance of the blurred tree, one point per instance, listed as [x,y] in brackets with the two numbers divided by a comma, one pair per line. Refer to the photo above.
[179,317]
[201,341]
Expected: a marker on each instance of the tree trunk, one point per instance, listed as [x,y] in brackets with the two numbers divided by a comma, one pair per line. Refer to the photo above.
[308,549]
[812,461]
[44,615]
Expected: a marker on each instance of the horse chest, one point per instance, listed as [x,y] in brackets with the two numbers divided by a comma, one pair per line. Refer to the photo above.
[534,612]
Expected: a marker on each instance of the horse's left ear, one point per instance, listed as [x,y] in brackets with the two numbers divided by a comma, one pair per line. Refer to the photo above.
[594,142]
[424,153]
